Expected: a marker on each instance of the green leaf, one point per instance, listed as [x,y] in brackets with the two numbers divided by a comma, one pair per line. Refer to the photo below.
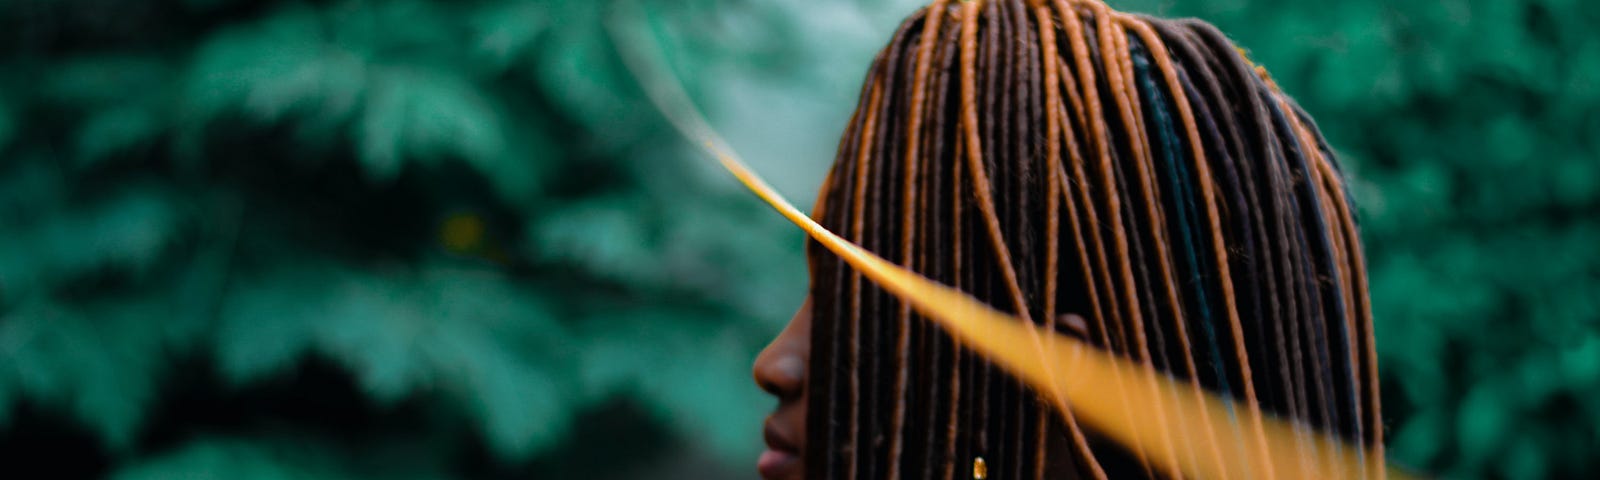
[608,237]
[271,322]
[580,72]
[276,68]
[505,31]
[114,131]
[343,85]
[426,115]
[521,409]
[486,346]
[267,323]
[518,172]
[98,364]
[124,231]
[498,352]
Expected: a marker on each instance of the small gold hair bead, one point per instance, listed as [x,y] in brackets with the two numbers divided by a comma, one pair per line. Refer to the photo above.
[980,470]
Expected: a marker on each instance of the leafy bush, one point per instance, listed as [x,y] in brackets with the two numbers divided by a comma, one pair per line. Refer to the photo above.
[463,212]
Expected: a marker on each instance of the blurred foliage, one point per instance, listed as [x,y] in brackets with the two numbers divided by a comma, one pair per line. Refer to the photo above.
[429,239]
[459,223]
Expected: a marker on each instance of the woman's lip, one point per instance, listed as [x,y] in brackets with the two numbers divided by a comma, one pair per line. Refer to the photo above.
[782,457]
[774,464]
[776,441]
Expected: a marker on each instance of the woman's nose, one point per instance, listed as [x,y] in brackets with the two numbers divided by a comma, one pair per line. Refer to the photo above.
[782,374]
[781,367]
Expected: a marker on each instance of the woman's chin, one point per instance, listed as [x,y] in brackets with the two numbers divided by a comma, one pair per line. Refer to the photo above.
[778,465]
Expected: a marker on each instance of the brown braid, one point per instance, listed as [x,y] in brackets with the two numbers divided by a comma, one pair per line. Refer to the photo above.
[1211,238]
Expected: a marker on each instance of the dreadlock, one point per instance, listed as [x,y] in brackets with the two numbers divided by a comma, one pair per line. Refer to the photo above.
[1057,156]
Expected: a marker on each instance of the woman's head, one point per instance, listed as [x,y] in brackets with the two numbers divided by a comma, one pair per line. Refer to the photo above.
[1130,181]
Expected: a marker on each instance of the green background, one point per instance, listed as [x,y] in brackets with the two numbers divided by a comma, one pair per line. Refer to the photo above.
[450,239]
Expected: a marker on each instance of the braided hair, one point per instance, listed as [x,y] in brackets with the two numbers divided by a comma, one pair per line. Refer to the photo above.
[1055,156]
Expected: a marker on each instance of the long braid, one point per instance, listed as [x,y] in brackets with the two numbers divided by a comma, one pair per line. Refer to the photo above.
[1211,240]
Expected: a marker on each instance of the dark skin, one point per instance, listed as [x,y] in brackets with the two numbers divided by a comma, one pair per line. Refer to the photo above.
[781,371]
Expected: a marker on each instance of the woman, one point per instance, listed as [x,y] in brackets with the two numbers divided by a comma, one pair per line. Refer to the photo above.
[1132,182]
